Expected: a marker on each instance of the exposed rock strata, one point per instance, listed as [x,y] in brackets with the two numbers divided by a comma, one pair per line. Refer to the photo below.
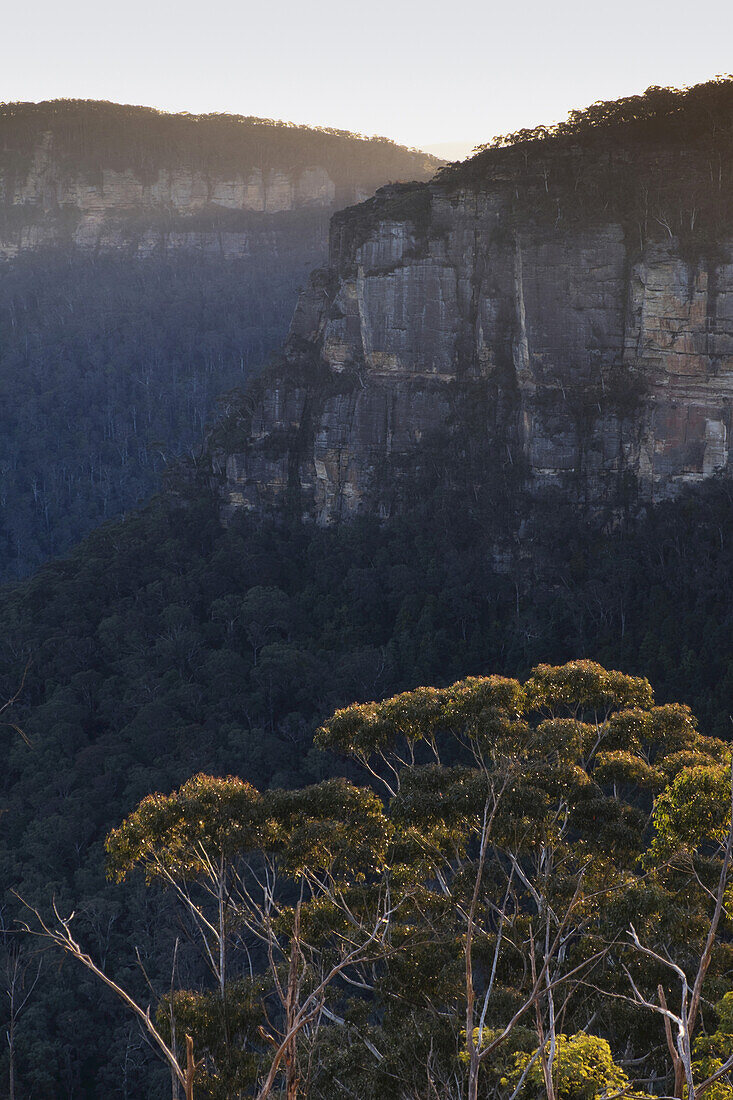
[568,319]
[102,176]
[121,210]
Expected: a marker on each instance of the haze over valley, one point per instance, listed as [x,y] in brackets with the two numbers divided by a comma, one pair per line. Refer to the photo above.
[366,556]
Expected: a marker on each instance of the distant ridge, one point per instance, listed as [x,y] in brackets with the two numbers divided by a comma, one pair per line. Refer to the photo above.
[89,133]
[108,364]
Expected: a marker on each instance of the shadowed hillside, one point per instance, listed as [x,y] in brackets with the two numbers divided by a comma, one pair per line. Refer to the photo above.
[152,262]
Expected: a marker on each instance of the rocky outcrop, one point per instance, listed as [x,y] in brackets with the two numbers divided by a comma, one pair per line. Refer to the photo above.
[180,208]
[559,314]
[101,176]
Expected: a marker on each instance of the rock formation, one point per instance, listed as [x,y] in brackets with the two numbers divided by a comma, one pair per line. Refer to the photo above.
[104,176]
[558,311]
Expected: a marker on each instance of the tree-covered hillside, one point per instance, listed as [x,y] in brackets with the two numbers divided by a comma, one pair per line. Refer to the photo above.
[88,136]
[659,115]
[166,645]
[113,353]
[110,367]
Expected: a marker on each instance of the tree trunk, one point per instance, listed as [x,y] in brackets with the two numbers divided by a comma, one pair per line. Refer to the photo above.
[545,1062]
[11,1059]
[473,1072]
[175,1091]
[474,1046]
[292,1079]
[190,1067]
[291,1067]
[680,1077]
[677,1063]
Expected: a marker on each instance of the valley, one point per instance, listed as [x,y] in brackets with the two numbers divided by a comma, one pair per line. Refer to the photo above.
[383,749]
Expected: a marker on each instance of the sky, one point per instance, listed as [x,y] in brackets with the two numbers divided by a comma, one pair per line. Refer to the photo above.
[440,76]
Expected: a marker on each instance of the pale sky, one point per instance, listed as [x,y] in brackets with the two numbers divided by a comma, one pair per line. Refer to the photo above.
[423,72]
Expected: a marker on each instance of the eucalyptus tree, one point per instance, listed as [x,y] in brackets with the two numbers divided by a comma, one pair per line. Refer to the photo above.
[460,926]
[285,892]
[527,807]
[693,852]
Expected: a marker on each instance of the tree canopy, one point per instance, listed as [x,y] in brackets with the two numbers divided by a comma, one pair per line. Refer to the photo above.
[512,915]
[142,673]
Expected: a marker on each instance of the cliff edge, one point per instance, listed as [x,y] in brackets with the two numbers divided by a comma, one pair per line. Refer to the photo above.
[554,315]
[104,176]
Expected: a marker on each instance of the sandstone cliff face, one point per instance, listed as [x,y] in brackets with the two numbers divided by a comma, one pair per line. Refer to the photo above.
[101,176]
[563,317]
[119,209]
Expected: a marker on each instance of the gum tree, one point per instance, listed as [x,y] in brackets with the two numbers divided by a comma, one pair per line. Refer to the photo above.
[455,926]
[527,807]
[286,893]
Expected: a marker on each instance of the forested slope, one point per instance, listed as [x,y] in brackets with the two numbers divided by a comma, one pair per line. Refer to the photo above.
[166,645]
[151,262]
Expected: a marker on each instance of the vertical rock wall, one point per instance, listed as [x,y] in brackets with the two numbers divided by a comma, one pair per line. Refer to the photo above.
[592,356]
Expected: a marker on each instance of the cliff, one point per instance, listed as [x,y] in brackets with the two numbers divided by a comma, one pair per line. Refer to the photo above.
[148,263]
[555,315]
[106,176]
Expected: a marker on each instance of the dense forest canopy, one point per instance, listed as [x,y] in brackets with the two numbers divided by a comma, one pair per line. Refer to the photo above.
[657,114]
[110,368]
[88,135]
[672,116]
[542,879]
[166,646]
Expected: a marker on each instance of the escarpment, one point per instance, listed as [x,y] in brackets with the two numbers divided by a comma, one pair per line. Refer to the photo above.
[148,263]
[553,316]
[102,176]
